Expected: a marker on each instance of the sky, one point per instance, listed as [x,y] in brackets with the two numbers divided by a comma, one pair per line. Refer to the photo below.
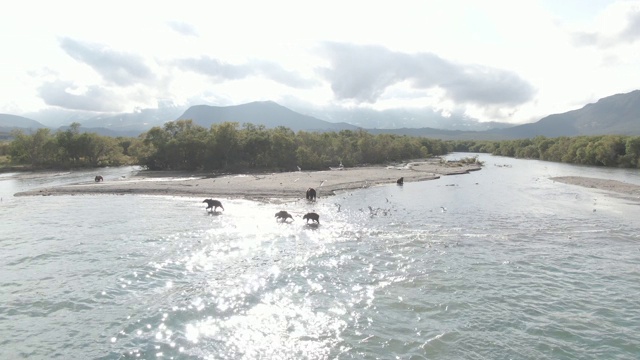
[491,60]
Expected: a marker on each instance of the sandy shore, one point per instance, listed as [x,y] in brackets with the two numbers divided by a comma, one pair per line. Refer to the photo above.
[622,189]
[288,185]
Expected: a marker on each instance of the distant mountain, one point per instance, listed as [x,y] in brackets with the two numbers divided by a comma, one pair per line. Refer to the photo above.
[54,117]
[266,113]
[8,121]
[442,134]
[102,131]
[136,122]
[617,114]
[406,118]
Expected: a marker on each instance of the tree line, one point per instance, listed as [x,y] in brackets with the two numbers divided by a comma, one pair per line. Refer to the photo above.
[602,150]
[67,149]
[183,145]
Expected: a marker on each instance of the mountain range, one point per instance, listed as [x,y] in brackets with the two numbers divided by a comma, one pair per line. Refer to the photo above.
[616,114]
[268,113]
[612,115]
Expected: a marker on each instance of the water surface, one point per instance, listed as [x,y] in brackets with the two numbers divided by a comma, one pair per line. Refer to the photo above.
[502,263]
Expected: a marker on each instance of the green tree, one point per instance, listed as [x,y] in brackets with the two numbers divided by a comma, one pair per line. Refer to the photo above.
[70,151]
[99,150]
[255,145]
[37,149]
[179,145]
[283,148]
[632,152]
[225,145]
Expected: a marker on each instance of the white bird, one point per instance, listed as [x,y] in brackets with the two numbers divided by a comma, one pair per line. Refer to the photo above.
[299,168]
[444,209]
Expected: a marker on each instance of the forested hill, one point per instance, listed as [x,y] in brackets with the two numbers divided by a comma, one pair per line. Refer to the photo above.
[614,115]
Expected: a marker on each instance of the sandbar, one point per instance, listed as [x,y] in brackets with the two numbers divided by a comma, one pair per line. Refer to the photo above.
[264,186]
[621,189]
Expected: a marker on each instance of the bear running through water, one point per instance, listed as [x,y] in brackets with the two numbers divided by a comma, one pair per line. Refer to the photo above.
[213,204]
[283,215]
[312,216]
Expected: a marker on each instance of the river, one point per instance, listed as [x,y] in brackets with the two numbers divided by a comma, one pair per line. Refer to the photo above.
[501,263]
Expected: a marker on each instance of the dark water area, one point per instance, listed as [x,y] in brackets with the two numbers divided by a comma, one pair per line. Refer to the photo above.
[501,263]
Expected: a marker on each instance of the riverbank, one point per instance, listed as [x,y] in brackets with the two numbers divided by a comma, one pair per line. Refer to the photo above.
[622,189]
[286,185]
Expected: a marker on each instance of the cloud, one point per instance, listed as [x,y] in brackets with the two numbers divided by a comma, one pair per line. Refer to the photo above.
[628,34]
[115,67]
[95,98]
[631,32]
[183,28]
[214,68]
[224,71]
[363,73]
[584,38]
[486,86]
[278,74]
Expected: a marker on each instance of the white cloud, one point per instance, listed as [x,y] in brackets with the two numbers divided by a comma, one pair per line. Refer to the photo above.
[183,28]
[363,73]
[67,95]
[619,25]
[114,67]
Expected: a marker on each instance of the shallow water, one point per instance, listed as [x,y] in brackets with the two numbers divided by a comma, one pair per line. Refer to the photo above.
[502,263]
